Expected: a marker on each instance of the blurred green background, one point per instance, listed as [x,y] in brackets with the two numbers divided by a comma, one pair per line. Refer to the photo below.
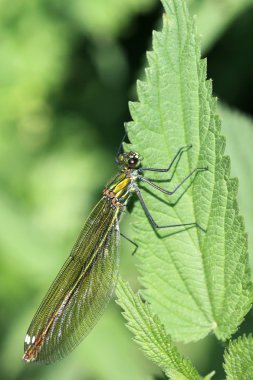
[67,71]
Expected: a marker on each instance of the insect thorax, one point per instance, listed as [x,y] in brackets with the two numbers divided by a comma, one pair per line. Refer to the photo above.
[120,188]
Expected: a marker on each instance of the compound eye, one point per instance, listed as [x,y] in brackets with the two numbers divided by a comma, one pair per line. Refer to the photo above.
[132,161]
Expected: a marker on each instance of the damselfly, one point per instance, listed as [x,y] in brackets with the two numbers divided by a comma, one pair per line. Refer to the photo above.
[83,287]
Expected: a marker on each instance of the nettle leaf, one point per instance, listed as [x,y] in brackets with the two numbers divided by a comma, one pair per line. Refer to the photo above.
[150,334]
[239,359]
[196,282]
[238,129]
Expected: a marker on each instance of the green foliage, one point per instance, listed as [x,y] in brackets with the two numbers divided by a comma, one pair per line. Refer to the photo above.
[151,336]
[196,282]
[104,18]
[213,17]
[23,60]
[239,359]
[63,100]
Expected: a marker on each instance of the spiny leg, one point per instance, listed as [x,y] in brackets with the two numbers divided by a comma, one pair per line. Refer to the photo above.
[120,148]
[131,241]
[177,187]
[177,156]
[152,221]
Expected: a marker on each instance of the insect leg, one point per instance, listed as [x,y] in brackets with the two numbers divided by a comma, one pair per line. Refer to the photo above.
[177,187]
[120,148]
[176,157]
[151,219]
[131,241]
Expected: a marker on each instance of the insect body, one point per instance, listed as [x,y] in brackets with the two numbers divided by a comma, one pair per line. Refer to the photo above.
[83,287]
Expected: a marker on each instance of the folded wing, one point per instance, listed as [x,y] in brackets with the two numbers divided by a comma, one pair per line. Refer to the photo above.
[81,291]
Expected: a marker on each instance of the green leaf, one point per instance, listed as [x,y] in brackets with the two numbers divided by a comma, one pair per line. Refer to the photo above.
[239,359]
[151,335]
[209,376]
[214,17]
[238,129]
[196,282]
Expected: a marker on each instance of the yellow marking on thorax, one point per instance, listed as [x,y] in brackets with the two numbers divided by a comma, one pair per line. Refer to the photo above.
[121,186]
